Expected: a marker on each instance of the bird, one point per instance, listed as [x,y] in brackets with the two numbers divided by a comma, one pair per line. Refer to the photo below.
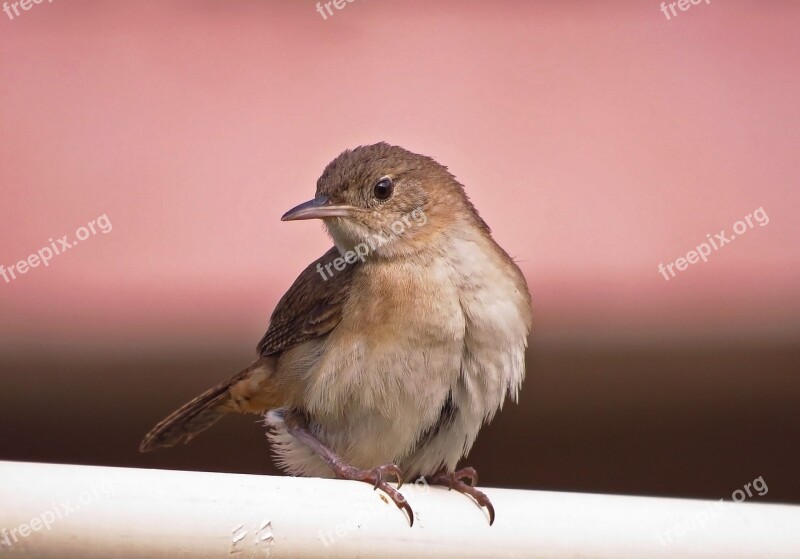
[389,352]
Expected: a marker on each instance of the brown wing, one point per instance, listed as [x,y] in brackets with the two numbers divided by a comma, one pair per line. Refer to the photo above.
[311,308]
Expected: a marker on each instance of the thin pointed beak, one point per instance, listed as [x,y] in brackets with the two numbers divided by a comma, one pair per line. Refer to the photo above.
[317,208]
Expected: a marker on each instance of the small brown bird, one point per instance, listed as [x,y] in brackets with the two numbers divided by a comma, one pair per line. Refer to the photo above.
[388,353]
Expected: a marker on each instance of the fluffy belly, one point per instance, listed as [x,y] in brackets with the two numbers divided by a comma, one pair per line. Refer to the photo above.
[409,379]
[380,383]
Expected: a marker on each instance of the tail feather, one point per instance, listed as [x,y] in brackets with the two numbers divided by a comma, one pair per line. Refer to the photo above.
[249,391]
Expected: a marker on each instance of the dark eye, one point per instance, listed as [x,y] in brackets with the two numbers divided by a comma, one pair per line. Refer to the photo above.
[384,189]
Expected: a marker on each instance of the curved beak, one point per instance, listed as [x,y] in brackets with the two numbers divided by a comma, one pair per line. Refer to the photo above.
[318,208]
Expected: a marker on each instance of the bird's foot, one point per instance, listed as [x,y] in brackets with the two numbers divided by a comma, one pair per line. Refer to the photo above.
[455,480]
[375,477]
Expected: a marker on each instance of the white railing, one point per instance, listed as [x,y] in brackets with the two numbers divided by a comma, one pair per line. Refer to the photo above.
[82,512]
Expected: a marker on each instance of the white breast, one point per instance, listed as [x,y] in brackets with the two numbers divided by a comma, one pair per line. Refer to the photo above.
[412,334]
[496,317]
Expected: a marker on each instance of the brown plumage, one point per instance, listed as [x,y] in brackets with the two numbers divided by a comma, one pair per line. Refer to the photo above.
[309,309]
[390,364]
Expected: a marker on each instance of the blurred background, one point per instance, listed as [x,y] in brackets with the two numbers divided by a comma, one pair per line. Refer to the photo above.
[598,139]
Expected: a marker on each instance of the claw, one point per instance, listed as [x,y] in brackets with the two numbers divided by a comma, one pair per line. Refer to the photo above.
[375,477]
[391,469]
[298,428]
[490,508]
[378,478]
[398,473]
[398,499]
[454,481]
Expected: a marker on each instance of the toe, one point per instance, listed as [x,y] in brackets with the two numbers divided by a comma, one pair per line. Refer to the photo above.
[393,470]
[469,474]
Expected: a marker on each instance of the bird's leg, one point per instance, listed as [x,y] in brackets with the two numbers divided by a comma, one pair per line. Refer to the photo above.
[455,480]
[297,427]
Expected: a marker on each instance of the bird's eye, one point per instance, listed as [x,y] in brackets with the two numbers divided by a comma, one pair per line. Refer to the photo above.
[384,188]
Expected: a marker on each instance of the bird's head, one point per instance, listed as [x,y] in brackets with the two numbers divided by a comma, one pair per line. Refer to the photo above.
[395,201]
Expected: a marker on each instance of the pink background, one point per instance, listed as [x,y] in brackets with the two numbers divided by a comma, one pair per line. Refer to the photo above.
[598,140]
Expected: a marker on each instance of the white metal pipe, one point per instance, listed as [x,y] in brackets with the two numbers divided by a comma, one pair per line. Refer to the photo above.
[65,512]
